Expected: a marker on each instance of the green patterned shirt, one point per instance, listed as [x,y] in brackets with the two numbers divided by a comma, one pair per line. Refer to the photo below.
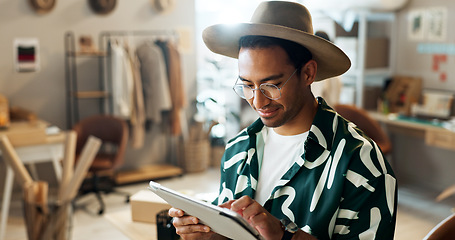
[340,188]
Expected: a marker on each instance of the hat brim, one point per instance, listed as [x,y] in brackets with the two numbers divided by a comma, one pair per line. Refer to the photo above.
[224,39]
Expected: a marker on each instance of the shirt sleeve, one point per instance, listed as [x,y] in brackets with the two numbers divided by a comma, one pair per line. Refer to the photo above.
[221,198]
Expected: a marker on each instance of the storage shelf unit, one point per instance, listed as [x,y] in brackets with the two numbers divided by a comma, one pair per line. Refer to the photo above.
[74,94]
[360,73]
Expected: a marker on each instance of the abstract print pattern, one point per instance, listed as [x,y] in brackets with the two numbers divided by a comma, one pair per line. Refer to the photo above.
[340,188]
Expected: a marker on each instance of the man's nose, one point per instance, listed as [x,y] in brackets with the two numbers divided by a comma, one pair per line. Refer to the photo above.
[259,99]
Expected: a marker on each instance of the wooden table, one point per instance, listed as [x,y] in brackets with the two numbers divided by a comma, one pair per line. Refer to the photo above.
[32,145]
[434,134]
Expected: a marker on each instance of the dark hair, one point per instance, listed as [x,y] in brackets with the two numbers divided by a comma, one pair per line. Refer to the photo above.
[298,54]
[323,34]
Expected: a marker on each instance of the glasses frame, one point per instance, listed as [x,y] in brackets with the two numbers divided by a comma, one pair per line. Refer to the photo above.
[260,88]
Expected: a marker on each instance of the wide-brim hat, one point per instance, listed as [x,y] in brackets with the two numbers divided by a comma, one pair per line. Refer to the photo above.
[285,20]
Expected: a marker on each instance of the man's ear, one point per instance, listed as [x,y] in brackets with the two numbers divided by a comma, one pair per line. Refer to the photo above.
[309,71]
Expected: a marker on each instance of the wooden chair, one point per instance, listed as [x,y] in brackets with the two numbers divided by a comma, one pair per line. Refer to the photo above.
[113,133]
[445,230]
[367,124]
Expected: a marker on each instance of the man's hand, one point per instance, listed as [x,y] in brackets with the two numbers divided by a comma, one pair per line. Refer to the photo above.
[188,227]
[265,223]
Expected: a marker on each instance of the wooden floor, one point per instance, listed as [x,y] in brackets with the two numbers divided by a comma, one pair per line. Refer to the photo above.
[417,212]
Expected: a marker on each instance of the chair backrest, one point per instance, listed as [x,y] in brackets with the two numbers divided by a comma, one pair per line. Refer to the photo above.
[110,129]
[367,124]
[445,230]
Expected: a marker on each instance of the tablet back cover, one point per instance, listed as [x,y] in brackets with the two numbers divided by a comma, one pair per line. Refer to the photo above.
[222,221]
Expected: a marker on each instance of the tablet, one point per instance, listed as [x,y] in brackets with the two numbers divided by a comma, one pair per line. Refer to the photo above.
[221,220]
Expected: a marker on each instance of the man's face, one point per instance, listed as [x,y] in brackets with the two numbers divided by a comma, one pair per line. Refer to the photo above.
[272,65]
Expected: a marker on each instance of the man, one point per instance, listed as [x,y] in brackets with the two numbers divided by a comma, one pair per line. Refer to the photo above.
[301,171]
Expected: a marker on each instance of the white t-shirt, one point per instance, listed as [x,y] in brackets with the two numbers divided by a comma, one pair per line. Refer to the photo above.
[279,154]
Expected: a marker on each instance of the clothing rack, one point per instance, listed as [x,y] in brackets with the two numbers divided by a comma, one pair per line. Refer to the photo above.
[133,38]
[105,36]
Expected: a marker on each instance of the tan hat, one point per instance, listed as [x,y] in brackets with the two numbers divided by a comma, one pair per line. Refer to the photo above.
[286,20]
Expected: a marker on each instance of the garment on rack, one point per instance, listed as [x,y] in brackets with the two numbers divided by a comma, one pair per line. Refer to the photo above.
[127,95]
[122,81]
[137,111]
[157,96]
[178,95]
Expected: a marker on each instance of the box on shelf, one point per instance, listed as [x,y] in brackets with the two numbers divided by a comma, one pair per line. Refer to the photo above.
[145,205]
[376,52]
[371,96]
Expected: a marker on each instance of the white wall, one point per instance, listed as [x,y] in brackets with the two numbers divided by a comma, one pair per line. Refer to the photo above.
[417,163]
[411,62]
[43,92]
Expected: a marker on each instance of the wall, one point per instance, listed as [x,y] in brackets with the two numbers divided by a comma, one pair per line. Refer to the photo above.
[415,163]
[44,91]
[419,164]
[411,62]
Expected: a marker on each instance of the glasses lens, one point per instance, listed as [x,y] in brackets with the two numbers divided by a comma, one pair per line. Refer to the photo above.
[243,91]
[271,91]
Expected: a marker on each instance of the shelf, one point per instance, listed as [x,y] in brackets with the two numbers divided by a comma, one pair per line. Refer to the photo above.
[87,54]
[91,94]
[375,16]
[96,92]
[369,72]
[148,172]
[361,72]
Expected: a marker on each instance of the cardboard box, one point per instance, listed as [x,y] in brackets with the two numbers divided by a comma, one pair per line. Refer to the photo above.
[376,51]
[371,96]
[145,205]
[26,133]
[402,93]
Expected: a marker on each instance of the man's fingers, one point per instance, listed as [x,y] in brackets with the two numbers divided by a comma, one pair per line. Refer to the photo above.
[253,210]
[241,203]
[191,229]
[175,212]
[185,220]
[227,204]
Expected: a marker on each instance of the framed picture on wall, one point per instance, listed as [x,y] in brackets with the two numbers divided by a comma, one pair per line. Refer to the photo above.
[437,23]
[26,54]
[416,24]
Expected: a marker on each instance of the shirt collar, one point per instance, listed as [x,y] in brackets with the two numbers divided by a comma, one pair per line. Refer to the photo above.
[321,131]
[324,125]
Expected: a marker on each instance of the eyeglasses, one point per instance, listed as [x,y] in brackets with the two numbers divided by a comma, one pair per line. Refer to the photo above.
[271,91]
